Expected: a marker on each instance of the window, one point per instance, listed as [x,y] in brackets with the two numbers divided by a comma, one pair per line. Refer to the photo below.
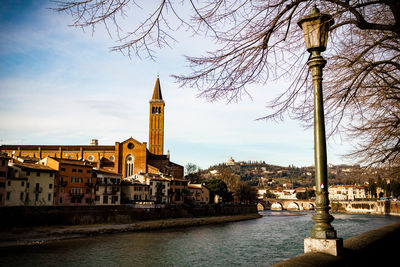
[49,197]
[28,173]
[73,170]
[8,183]
[37,173]
[90,158]
[27,185]
[51,174]
[156,110]
[62,169]
[8,195]
[22,183]
[112,158]
[79,170]
[2,174]
[21,196]
[3,162]
[50,186]
[105,199]
[26,196]
[97,198]
[129,165]
[61,200]
[36,197]
[88,171]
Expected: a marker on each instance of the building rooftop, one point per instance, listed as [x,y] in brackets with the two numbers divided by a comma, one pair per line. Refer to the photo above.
[32,166]
[72,161]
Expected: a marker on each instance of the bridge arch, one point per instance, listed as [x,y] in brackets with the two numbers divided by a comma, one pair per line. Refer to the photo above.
[293,206]
[261,206]
[277,206]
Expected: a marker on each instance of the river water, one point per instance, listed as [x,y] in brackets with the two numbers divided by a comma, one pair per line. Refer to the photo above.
[275,237]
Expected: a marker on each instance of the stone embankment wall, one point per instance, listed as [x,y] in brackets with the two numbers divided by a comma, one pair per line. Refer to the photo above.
[367,207]
[379,247]
[58,215]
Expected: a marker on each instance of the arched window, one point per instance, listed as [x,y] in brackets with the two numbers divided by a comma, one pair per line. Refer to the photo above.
[129,165]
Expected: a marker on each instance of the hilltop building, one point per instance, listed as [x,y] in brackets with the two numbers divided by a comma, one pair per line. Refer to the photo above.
[230,162]
[125,158]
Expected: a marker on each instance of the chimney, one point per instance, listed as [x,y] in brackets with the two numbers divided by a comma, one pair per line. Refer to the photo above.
[94,142]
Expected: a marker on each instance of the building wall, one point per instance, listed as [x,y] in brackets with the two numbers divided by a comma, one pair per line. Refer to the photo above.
[136,150]
[108,189]
[199,194]
[40,188]
[3,176]
[136,192]
[178,189]
[74,183]
[158,187]
[15,191]
[346,192]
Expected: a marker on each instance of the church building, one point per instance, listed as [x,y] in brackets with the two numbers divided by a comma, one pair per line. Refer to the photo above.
[126,158]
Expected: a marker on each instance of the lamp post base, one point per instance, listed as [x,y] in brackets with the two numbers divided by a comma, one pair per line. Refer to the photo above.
[328,246]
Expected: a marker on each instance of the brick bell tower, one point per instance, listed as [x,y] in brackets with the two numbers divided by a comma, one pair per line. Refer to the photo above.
[156,128]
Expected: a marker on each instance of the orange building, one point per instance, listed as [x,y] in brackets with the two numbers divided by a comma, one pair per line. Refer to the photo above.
[178,190]
[125,158]
[74,182]
[199,194]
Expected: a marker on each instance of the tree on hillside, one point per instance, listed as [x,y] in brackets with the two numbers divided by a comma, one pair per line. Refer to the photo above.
[190,168]
[231,179]
[193,173]
[246,193]
[218,187]
[260,41]
[308,194]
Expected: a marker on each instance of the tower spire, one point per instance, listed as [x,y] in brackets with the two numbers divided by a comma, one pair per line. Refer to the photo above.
[157,90]
[156,125]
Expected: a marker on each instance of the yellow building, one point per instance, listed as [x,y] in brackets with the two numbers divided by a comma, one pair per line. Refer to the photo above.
[135,192]
[108,187]
[125,158]
[159,187]
[40,183]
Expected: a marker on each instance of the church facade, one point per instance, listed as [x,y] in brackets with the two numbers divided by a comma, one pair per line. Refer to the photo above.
[126,158]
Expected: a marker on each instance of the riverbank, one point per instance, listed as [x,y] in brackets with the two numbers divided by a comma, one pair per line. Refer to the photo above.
[367,207]
[44,234]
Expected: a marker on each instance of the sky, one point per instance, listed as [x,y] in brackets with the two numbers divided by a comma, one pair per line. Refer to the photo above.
[62,85]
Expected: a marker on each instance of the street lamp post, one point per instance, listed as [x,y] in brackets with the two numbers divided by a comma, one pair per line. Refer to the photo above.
[323,236]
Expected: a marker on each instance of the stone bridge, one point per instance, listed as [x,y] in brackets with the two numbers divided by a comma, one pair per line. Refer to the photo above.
[285,204]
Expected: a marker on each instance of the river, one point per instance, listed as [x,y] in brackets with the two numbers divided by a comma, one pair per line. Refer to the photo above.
[275,237]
